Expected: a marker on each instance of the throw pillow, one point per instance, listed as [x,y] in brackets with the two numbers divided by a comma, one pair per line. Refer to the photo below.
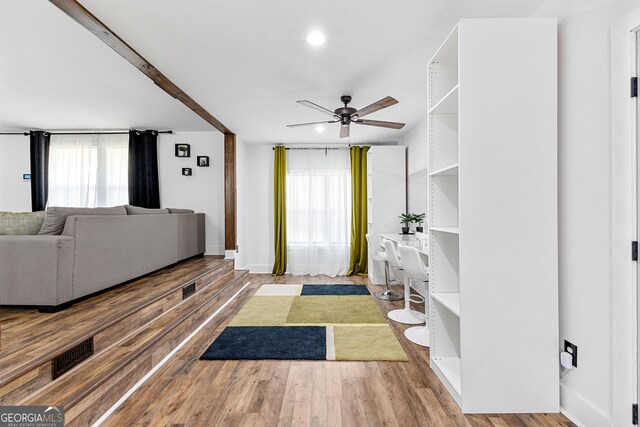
[56,217]
[179,211]
[20,223]
[137,210]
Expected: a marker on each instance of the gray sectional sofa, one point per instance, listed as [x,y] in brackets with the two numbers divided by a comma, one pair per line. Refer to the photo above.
[93,253]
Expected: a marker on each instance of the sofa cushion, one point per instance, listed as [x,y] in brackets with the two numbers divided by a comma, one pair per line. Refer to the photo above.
[56,217]
[137,210]
[180,211]
[20,223]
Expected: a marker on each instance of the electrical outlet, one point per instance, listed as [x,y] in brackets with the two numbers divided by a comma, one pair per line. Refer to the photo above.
[572,349]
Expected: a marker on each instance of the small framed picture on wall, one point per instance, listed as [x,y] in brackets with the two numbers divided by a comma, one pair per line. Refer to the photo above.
[203,161]
[183,150]
[187,171]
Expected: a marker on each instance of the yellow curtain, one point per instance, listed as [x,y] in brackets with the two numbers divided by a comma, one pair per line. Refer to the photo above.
[280,210]
[358,255]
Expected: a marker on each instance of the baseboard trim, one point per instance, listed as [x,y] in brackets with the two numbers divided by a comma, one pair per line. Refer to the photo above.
[260,269]
[581,412]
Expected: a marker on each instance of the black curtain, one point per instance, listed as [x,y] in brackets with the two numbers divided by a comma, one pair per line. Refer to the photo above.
[144,190]
[39,169]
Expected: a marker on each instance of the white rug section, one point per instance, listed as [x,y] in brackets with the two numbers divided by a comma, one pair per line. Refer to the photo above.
[279,291]
[331,347]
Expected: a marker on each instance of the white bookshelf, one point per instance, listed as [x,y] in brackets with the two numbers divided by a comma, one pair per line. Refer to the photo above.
[450,300]
[493,215]
[386,196]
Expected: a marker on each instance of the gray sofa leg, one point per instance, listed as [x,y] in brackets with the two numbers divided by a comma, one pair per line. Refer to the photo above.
[54,308]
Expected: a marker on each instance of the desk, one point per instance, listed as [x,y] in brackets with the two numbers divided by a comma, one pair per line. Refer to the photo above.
[414,240]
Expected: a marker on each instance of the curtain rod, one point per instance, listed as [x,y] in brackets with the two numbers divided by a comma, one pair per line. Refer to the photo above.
[82,133]
[314,148]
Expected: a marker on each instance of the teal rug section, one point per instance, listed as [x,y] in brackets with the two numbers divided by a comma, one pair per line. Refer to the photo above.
[269,342]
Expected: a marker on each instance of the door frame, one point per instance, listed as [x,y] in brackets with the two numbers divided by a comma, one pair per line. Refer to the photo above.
[624,219]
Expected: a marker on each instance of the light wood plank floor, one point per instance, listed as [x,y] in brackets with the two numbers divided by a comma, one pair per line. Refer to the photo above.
[190,392]
[27,337]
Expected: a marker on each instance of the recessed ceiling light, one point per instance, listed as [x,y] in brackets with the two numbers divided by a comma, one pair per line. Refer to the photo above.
[315,38]
[319,128]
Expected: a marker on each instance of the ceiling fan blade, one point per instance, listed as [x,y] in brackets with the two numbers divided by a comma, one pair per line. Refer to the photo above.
[311,124]
[376,106]
[344,131]
[316,107]
[379,123]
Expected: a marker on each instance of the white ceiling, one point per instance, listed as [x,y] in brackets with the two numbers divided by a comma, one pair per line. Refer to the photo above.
[245,61]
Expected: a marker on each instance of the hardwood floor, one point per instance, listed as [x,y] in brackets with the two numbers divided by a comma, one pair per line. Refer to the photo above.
[187,391]
[26,333]
[30,340]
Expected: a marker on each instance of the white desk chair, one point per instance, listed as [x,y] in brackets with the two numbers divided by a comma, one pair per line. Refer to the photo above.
[405,315]
[387,294]
[416,271]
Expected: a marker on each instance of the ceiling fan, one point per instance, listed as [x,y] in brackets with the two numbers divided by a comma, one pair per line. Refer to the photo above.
[347,115]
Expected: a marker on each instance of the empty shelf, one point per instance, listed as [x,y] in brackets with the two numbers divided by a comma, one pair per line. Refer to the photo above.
[451,230]
[450,300]
[446,171]
[448,104]
[449,368]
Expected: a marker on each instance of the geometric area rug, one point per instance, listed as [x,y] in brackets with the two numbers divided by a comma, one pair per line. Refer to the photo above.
[308,322]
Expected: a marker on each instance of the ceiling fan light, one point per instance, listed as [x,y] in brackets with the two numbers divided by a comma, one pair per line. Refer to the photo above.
[319,128]
[315,38]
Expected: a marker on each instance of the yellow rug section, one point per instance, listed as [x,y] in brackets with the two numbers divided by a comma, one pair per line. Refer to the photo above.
[367,343]
[264,311]
[332,310]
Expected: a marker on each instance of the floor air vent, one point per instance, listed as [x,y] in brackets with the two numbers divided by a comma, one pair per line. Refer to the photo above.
[71,358]
[188,290]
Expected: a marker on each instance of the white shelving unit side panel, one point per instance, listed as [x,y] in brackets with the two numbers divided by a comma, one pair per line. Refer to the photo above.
[508,215]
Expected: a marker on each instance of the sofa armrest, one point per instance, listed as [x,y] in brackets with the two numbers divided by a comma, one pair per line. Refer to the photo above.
[36,270]
[191,235]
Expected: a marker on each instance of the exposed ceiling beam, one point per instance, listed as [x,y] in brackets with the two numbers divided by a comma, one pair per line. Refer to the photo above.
[85,18]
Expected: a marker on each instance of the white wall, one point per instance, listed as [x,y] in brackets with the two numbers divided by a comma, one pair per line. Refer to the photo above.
[204,190]
[255,207]
[417,149]
[417,164]
[15,193]
[241,257]
[584,174]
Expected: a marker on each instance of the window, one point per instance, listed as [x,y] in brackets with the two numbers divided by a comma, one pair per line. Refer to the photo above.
[318,211]
[88,170]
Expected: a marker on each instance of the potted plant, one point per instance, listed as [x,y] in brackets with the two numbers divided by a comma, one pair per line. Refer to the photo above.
[406,219]
[419,219]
